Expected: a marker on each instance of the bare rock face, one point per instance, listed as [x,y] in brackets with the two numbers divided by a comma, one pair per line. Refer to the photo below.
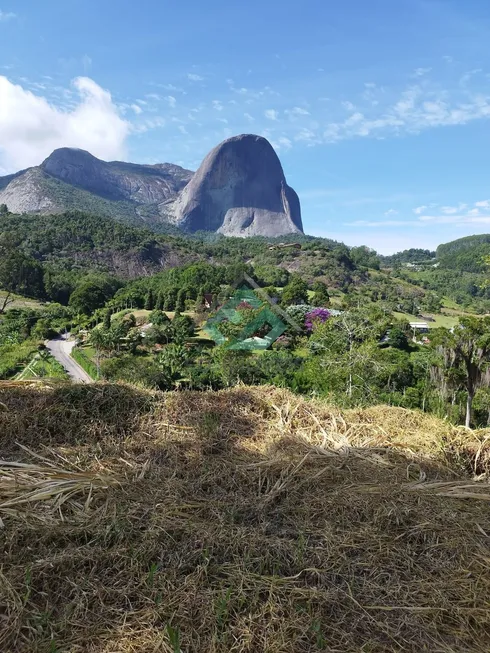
[74,179]
[116,180]
[239,190]
[25,193]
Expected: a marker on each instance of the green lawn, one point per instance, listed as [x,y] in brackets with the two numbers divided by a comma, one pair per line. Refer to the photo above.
[89,352]
[446,321]
[20,302]
[43,365]
[142,315]
[14,357]
[450,303]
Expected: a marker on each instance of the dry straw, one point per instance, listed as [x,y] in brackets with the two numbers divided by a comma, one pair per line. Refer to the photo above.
[247,520]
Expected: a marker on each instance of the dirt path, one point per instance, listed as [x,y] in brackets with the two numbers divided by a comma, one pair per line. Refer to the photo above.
[61,349]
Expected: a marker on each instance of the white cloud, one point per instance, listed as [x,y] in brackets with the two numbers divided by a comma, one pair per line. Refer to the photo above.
[466,78]
[383,223]
[217,105]
[153,96]
[484,204]
[282,143]
[474,212]
[169,87]
[447,210]
[455,219]
[407,102]
[297,111]
[348,106]
[271,114]
[420,72]
[137,109]
[419,210]
[419,107]
[195,78]
[182,129]
[307,136]
[451,210]
[31,128]
[249,117]
[153,123]
[7,15]
[171,101]
[391,212]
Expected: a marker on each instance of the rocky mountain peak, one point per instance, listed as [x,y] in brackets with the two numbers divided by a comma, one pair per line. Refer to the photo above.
[240,190]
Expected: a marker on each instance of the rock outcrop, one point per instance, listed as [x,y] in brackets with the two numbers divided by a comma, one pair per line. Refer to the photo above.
[116,180]
[25,192]
[239,190]
[74,179]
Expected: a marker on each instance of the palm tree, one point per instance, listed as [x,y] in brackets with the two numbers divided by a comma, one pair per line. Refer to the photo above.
[98,339]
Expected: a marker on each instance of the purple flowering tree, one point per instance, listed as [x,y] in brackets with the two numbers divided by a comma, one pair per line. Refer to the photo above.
[315,317]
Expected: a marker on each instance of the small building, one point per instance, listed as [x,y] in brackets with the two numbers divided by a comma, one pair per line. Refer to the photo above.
[273,246]
[208,300]
[419,327]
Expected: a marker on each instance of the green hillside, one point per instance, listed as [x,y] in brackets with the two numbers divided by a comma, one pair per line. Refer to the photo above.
[465,254]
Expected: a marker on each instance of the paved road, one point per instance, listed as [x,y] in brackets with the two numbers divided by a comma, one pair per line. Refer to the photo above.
[61,350]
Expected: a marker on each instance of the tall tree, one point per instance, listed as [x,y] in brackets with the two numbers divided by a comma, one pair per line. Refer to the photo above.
[321,296]
[98,340]
[180,302]
[183,327]
[149,301]
[200,301]
[87,297]
[345,353]
[20,274]
[467,349]
[107,319]
[170,299]
[160,302]
[159,317]
[296,292]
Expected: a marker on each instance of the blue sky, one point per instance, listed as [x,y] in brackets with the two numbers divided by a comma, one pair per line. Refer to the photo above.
[379,110]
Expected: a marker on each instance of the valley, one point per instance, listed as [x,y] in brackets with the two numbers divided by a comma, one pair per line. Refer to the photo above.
[244,327]
[138,303]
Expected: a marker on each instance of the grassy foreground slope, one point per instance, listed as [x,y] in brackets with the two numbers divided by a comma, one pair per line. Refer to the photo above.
[241,520]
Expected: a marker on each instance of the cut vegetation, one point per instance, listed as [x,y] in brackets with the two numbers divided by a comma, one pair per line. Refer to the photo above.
[245,520]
